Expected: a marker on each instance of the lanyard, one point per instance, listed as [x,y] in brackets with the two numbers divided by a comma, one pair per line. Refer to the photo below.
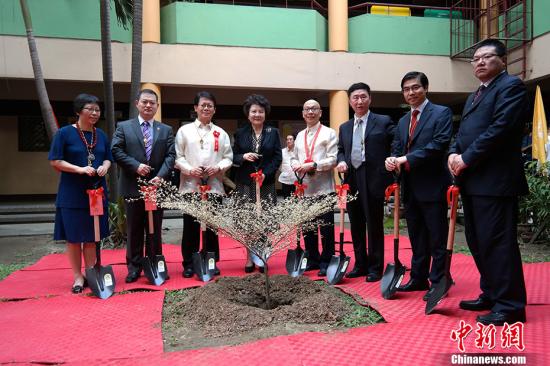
[309,153]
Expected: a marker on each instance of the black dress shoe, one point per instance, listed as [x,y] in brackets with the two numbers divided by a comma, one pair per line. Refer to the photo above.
[356,272]
[499,318]
[76,289]
[478,304]
[373,277]
[216,271]
[414,285]
[312,267]
[322,272]
[188,272]
[132,277]
[249,269]
[428,294]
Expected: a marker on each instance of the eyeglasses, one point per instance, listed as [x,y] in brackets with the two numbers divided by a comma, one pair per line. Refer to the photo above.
[92,110]
[355,98]
[486,57]
[207,106]
[413,88]
[312,109]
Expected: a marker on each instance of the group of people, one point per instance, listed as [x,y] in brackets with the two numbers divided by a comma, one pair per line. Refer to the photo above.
[484,159]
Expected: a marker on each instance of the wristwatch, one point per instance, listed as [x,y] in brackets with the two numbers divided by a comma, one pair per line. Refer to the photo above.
[314,166]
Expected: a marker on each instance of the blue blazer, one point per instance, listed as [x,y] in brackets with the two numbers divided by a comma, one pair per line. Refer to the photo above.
[428,177]
[489,139]
[270,148]
[378,138]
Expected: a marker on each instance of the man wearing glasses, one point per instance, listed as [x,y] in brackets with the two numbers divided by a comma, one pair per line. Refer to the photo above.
[419,153]
[364,142]
[142,147]
[486,158]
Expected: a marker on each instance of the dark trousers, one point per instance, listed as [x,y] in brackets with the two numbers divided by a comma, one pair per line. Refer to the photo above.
[491,233]
[137,228]
[190,241]
[367,211]
[311,240]
[427,226]
[288,189]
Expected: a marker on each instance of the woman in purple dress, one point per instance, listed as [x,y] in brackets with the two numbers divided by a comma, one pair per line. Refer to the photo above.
[81,153]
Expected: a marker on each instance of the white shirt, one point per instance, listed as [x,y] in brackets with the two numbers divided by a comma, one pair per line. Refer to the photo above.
[190,155]
[287,175]
[325,152]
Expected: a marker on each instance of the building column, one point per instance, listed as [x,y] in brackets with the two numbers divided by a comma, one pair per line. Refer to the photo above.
[156,89]
[339,108]
[338,42]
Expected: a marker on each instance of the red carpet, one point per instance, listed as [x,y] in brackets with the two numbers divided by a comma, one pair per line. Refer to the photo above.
[125,329]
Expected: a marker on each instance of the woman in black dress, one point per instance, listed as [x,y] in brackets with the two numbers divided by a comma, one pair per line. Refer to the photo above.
[256,147]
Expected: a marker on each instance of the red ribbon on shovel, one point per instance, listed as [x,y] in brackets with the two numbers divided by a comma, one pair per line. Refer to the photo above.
[391,188]
[95,197]
[452,199]
[204,188]
[300,189]
[257,177]
[342,192]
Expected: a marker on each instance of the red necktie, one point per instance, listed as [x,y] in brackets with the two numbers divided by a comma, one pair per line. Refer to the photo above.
[412,127]
[479,92]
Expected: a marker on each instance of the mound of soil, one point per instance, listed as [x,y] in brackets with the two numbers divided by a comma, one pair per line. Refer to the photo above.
[232,310]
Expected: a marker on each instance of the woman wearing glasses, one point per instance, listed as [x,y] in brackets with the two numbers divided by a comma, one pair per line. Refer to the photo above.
[82,154]
[256,155]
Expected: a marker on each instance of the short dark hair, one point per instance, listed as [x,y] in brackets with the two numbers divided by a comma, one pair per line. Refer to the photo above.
[500,48]
[147,91]
[358,86]
[417,75]
[258,100]
[82,99]
[204,94]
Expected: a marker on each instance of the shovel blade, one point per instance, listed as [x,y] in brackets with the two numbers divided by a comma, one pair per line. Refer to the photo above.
[441,290]
[101,280]
[256,260]
[296,261]
[337,269]
[393,275]
[155,269]
[204,265]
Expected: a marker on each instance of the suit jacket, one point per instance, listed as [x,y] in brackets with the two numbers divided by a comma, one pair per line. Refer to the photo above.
[428,177]
[270,148]
[378,138]
[489,139]
[128,151]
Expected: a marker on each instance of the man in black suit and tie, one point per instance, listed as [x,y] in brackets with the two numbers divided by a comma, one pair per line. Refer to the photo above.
[363,144]
[142,147]
[419,154]
[486,158]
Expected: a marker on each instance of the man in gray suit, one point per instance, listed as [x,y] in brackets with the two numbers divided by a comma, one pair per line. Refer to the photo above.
[142,147]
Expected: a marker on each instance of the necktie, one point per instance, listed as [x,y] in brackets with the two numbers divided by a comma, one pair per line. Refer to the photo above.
[357,145]
[412,127]
[479,91]
[147,141]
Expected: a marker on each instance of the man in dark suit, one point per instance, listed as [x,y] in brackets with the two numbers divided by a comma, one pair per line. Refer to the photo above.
[142,147]
[363,144]
[486,158]
[419,154]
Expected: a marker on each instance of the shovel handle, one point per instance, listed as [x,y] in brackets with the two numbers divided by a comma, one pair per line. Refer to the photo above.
[396,205]
[150,221]
[258,202]
[453,199]
[97,237]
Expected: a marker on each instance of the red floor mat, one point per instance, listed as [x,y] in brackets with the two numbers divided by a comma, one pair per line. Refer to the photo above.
[69,328]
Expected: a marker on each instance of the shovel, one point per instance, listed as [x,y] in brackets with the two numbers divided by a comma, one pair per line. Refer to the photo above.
[442,287]
[296,259]
[154,266]
[339,263]
[101,279]
[204,263]
[257,178]
[393,275]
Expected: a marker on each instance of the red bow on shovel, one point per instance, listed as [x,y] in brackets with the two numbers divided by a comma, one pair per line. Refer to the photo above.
[258,177]
[342,193]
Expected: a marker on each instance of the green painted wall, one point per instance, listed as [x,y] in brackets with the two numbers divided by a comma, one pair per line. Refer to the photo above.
[541,17]
[247,26]
[60,19]
[405,35]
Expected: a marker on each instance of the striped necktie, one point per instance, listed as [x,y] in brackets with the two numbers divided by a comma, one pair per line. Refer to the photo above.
[147,140]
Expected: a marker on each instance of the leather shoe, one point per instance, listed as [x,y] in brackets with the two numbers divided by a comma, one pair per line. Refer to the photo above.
[188,272]
[356,272]
[322,272]
[414,285]
[77,289]
[499,318]
[249,269]
[216,271]
[428,294]
[373,277]
[312,267]
[480,303]
[132,277]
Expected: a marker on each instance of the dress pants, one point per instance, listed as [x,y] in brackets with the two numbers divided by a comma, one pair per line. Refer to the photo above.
[427,226]
[190,241]
[288,189]
[491,233]
[311,239]
[138,229]
[367,211]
